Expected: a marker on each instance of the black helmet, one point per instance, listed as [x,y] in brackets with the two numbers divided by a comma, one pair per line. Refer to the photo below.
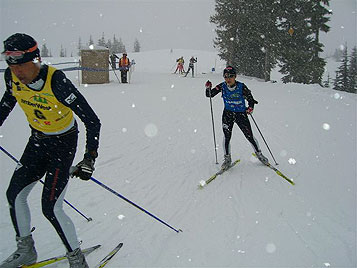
[20,48]
[229,70]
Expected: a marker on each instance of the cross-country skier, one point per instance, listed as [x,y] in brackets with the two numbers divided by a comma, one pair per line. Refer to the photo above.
[113,60]
[234,94]
[48,100]
[191,66]
[180,62]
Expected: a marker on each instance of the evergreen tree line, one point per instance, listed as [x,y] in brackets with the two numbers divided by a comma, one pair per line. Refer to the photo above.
[346,74]
[256,35]
[115,46]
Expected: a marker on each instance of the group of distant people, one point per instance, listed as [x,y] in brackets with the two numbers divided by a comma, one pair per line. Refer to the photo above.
[180,66]
[124,65]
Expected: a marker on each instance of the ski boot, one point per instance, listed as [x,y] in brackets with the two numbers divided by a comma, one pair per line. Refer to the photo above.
[262,158]
[227,162]
[76,259]
[24,255]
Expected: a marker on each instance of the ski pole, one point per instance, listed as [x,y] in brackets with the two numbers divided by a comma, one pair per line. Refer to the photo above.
[114,72]
[18,162]
[214,132]
[263,139]
[132,203]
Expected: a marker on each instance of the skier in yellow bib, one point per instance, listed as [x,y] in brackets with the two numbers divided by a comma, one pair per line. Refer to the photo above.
[48,100]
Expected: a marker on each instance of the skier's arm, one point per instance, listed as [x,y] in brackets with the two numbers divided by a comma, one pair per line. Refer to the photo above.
[211,92]
[68,94]
[8,101]
[247,94]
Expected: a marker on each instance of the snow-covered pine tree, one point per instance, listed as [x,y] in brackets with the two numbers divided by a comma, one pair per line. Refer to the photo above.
[62,52]
[90,42]
[246,35]
[300,59]
[44,51]
[101,41]
[253,34]
[341,82]
[118,46]
[79,46]
[352,72]
[137,46]
[327,82]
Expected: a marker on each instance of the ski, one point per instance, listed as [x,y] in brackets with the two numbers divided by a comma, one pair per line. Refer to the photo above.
[280,174]
[110,255]
[220,172]
[277,171]
[52,260]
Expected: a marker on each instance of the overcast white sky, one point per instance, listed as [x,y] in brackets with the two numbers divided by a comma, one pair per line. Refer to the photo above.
[157,24]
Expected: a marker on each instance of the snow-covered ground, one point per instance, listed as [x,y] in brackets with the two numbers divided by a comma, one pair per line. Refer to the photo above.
[157,144]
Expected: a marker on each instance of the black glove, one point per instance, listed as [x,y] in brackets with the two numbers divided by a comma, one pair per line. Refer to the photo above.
[85,168]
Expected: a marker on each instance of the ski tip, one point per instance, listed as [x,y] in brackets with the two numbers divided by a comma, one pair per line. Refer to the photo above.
[202,184]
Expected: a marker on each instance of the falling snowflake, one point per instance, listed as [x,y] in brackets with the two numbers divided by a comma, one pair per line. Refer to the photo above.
[336,96]
[151,130]
[270,248]
[325,126]
[292,161]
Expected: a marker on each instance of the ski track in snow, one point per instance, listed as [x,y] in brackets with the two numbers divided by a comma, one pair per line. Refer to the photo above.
[156,145]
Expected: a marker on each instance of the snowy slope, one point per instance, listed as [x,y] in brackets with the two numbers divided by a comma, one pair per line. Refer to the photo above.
[157,144]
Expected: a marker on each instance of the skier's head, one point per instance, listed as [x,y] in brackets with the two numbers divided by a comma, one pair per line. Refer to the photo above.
[20,48]
[229,72]
[124,54]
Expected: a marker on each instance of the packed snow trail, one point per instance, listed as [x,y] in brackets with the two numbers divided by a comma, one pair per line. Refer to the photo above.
[156,145]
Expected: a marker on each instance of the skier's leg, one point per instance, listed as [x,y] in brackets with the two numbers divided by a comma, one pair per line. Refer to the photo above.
[22,182]
[227,125]
[60,160]
[244,124]
[26,175]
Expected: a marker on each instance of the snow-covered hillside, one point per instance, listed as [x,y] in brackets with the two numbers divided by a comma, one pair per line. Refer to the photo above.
[157,144]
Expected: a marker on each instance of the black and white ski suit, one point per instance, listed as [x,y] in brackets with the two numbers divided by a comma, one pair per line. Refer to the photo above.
[235,111]
[49,103]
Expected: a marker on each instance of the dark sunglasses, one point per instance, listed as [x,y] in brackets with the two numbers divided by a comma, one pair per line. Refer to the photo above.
[229,75]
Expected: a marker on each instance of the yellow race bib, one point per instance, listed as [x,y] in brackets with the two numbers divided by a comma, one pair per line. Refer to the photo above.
[42,109]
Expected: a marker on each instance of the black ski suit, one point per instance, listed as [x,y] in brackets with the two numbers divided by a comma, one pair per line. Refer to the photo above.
[47,154]
[235,112]
[191,66]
